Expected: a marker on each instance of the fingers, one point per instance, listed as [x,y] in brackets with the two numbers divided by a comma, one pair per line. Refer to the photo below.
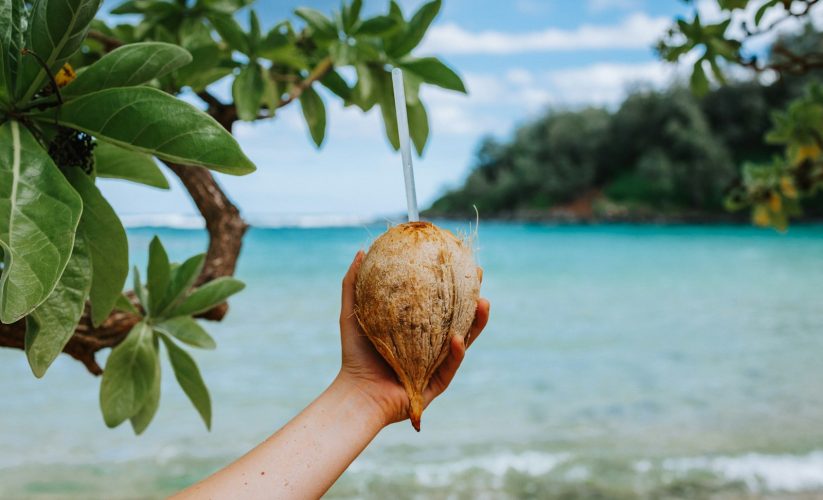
[347,301]
[445,373]
[481,317]
[457,351]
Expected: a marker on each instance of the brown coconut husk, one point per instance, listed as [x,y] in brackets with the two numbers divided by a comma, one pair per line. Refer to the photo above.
[417,287]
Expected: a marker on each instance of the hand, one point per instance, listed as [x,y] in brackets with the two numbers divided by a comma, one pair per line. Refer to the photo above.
[365,369]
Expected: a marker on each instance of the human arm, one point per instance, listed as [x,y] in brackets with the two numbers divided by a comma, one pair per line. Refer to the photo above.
[307,455]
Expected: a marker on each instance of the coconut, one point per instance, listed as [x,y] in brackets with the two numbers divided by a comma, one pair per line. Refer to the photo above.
[417,287]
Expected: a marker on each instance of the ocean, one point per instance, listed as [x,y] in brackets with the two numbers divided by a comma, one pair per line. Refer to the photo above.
[619,362]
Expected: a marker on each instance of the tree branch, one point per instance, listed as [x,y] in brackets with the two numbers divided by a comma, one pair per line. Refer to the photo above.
[224,224]
[319,71]
[109,43]
[226,229]
[808,4]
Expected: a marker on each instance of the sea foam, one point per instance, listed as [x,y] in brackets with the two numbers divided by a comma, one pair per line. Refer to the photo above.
[760,472]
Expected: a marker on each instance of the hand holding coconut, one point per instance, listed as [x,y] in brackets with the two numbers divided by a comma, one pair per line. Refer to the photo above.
[402,385]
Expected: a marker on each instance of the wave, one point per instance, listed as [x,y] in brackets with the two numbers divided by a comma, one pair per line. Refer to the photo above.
[755,472]
[497,465]
[759,472]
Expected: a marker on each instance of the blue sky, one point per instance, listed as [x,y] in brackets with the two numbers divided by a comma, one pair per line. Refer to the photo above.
[518,58]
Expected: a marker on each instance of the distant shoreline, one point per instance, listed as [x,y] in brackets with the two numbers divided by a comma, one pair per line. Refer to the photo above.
[563,217]
[543,217]
[556,218]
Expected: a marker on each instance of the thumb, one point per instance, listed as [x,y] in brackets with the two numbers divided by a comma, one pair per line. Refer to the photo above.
[347,300]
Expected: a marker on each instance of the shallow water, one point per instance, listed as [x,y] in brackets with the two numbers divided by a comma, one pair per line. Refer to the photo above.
[620,361]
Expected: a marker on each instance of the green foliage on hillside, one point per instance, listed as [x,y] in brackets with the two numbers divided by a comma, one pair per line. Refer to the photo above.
[667,152]
[658,150]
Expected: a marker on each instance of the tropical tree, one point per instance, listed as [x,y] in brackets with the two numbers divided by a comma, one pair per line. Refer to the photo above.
[773,189]
[81,99]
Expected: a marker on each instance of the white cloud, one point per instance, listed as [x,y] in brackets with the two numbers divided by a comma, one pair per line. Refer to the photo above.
[519,76]
[604,5]
[607,83]
[497,101]
[636,31]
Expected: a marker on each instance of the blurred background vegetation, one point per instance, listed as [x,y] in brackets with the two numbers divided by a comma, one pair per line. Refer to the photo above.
[661,155]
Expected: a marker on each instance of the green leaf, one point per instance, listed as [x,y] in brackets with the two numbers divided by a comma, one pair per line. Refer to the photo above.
[187,330]
[51,325]
[207,296]
[699,81]
[139,290]
[56,30]
[395,11]
[334,82]
[124,304]
[141,420]
[231,32]
[717,72]
[377,25]
[149,120]
[128,66]
[200,80]
[314,111]
[418,126]
[117,163]
[319,23]
[225,6]
[144,6]
[157,275]
[129,376]
[342,54]
[108,246]
[366,91]
[274,42]
[208,65]
[39,213]
[254,31]
[411,86]
[762,10]
[182,278]
[433,71]
[288,55]
[405,42]
[12,13]
[388,110]
[351,14]
[193,32]
[247,91]
[271,95]
[189,378]
[732,4]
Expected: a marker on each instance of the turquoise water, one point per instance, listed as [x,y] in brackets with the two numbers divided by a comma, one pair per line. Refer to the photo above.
[620,361]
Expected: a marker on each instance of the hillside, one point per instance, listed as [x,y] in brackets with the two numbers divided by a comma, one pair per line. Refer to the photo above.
[660,155]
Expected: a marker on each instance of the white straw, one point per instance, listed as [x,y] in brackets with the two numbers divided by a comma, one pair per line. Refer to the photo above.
[405,143]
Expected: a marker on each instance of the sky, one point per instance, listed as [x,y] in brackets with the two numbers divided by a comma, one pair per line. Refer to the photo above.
[518,58]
